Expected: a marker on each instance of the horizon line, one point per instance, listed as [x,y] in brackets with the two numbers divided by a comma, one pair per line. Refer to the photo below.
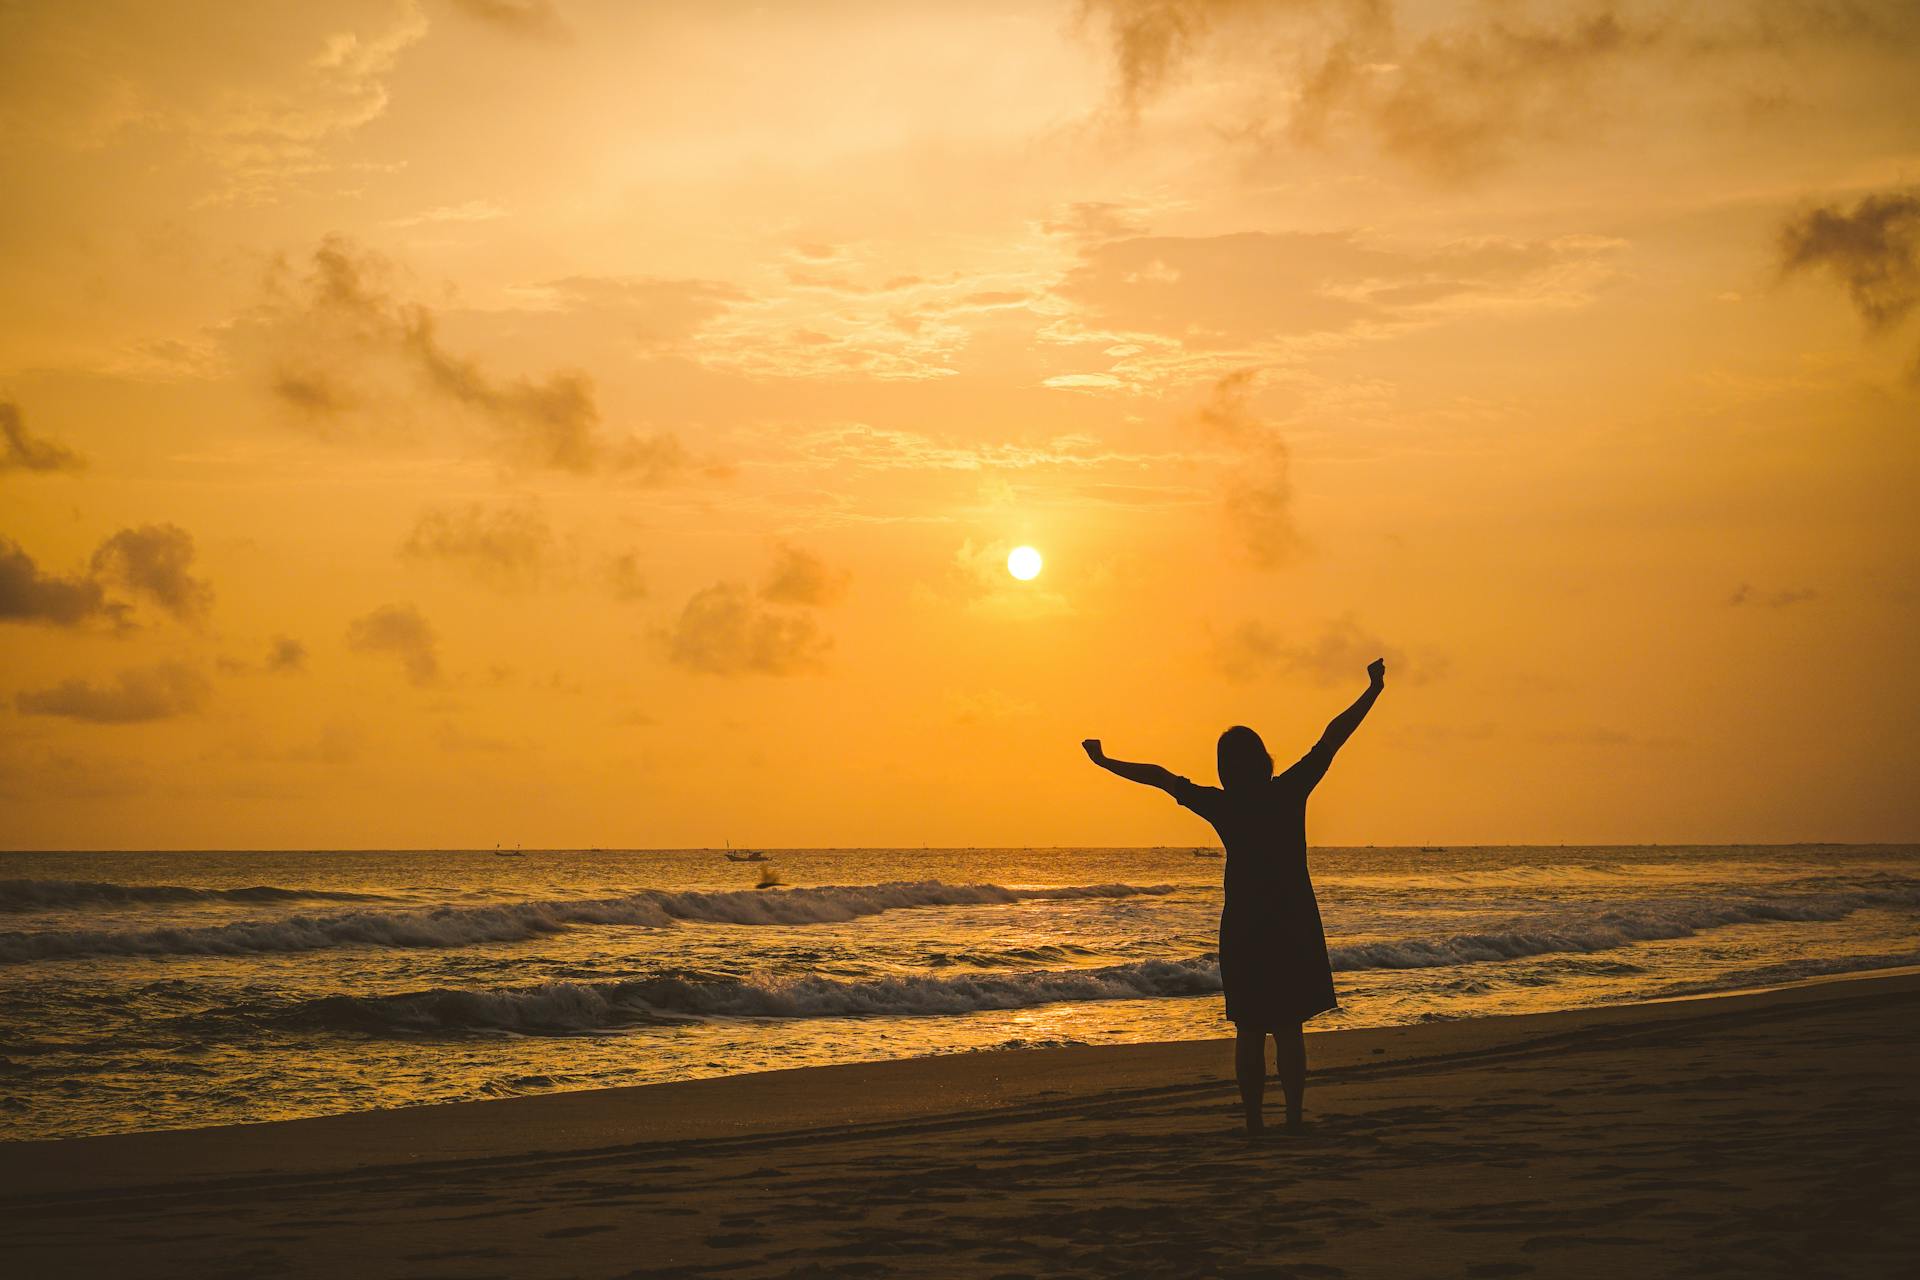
[1444,847]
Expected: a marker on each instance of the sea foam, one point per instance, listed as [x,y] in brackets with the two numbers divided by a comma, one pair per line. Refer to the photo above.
[573,1007]
[561,1008]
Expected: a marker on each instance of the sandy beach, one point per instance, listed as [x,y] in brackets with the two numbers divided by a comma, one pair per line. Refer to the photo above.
[1762,1133]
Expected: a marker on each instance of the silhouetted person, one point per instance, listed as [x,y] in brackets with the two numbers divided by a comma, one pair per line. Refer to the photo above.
[1273,951]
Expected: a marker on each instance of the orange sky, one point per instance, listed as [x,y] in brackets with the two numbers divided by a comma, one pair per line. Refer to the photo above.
[440,423]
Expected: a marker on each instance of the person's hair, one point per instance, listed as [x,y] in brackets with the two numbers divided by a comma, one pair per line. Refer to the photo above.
[1243,759]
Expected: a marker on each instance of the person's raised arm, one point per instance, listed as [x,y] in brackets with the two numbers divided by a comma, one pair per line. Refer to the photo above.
[1341,727]
[1151,775]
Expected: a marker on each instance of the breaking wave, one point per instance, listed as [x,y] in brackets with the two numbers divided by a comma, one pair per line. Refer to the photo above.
[1605,931]
[36,895]
[564,1008]
[559,1008]
[512,922]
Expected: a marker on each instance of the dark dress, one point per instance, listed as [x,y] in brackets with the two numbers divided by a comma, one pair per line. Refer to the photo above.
[1273,950]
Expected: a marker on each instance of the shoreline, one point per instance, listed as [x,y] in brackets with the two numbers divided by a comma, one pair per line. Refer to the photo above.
[767,1103]
[1754,1133]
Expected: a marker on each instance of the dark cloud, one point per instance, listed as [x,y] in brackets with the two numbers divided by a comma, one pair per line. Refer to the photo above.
[20,451]
[801,577]
[28,595]
[399,630]
[287,655]
[624,578]
[1456,102]
[144,693]
[1450,101]
[352,285]
[1259,491]
[521,17]
[154,561]
[311,392]
[1466,86]
[330,334]
[1151,39]
[1745,594]
[342,341]
[1339,654]
[1873,251]
[506,547]
[723,631]
[552,422]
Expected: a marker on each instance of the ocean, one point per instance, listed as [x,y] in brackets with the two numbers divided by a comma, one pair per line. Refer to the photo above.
[173,990]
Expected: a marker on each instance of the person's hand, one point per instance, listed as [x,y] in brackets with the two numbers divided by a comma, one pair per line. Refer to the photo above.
[1094,753]
[1377,671]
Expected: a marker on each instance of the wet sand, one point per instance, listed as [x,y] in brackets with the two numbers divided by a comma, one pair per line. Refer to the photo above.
[1770,1133]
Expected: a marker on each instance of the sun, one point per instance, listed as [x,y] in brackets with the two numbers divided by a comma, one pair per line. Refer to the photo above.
[1024,563]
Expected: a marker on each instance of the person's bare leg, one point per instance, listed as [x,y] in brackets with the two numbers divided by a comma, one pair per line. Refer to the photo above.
[1250,1068]
[1290,1053]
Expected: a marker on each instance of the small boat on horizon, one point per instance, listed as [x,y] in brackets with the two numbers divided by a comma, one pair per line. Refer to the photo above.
[744,855]
[1207,853]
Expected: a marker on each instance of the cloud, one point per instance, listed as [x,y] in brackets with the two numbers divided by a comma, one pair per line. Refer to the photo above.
[311,392]
[1873,252]
[20,451]
[143,693]
[1092,220]
[1338,655]
[1258,496]
[507,547]
[27,595]
[624,579]
[1246,288]
[723,631]
[1744,594]
[399,630]
[286,655]
[520,17]
[340,341]
[859,317]
[1152,39]
[552,422]
[870,448]
[153,561]
[1457,101]
[1451,101]
[800,577]
[654,313]
[1465,87]
[466,211]
[260,94]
